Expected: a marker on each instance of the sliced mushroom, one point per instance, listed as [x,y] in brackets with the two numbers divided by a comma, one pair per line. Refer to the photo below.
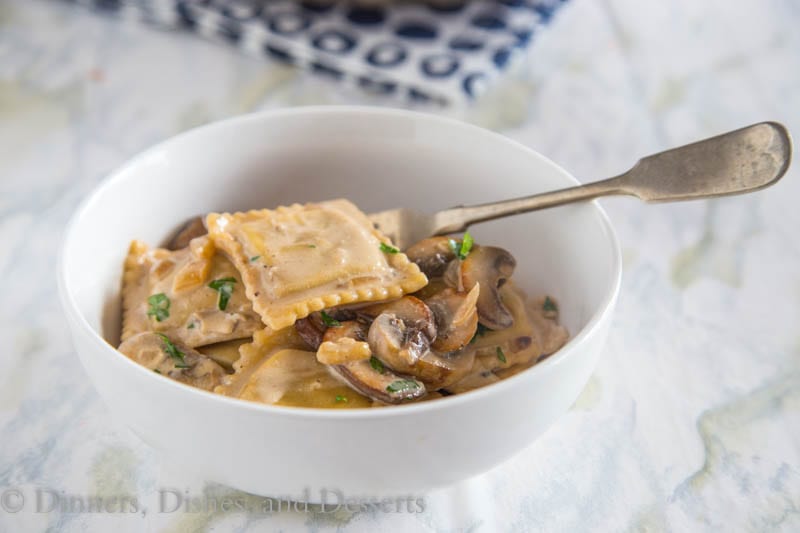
[384,386]
[363,373]
[398,344]
[411,310]
[440,370]
[311,329]
[174,359]
[432,255]
[490,267]
[406,349]
[352,329]
[456,318]
[192,229]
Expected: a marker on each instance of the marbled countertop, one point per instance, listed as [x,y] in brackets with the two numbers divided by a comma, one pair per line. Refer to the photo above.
[692,418]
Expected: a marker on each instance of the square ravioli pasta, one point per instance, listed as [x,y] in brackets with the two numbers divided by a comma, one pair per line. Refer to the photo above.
[193,295]
[302,258]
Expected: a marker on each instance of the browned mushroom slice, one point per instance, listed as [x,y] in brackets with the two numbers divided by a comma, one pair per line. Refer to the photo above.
[311,329]
[173,359]
[190,230]
[440,370]
[410,309]
[379,383]
[456,318]
[359,370]
[352,329]
[396,343]
[490,267]
[406,349]
[432,255]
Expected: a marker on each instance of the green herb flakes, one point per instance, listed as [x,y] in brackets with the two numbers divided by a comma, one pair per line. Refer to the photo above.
[463,248]
[388,249]
[329,321]
[402,385]
[466,246]
[341,399]
[500,355]
[479,332]
[158,306]
[377,365]
[172,351]
[225,288]
[549,308]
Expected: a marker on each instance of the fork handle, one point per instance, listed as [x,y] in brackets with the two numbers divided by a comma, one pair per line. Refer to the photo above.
[460,218]
[740,161]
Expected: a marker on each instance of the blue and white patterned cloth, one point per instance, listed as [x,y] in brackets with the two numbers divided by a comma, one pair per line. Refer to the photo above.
[440,51]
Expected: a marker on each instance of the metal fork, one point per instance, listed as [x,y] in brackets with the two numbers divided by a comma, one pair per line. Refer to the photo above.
[736,162]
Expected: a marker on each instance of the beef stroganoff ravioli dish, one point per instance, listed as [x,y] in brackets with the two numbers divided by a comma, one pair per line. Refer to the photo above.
[311,306]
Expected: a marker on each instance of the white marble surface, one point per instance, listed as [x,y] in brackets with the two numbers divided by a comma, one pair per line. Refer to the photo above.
[691,421]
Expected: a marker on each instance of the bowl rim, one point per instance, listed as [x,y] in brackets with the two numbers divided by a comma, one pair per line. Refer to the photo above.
[559,358]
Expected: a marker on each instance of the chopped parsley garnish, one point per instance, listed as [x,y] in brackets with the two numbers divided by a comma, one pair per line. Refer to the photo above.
[479,332]
[255,258]
[466,246]
[157,371]
[388,249]
[377,365]
[191,325]
[341,399]
[549,305]
[171,350]
[402,385]
[225,288]
[159,306]
[329,321]
[463,248]
[500,355]
[311,245]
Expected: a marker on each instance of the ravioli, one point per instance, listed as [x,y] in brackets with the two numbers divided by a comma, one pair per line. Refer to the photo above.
[168,292]
[277,368]
[266,342]
[302,258]
[295,378]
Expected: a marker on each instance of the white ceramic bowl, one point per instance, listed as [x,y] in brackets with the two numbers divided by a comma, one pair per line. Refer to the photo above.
[379,159]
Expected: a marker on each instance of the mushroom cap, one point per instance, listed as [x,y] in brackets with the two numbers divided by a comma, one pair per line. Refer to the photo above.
[490,267]
[349,359]
[407,350]
[383,386]
[396,343]
[456,316]
[410,309]
[431,255]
